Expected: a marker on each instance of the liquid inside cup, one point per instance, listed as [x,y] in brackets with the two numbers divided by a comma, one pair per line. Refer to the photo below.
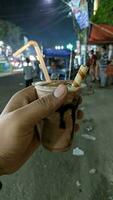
[58,128]
[49,87]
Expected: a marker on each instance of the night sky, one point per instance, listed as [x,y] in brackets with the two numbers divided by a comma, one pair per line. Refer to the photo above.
[43,20]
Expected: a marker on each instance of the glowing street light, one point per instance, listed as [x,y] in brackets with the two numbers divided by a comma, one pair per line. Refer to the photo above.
[69,46]
[56,47]
[62,47]
[32,57]
[1,43]
[59,47]
[96,5]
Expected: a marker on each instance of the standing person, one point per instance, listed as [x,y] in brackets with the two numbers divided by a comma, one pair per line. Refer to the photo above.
[92,65]
[54,70]
[97,65]
[73,69]
[28,72]
[103,66]
[37,68]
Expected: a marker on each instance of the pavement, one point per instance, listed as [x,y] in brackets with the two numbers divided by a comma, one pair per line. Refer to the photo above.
[64,176]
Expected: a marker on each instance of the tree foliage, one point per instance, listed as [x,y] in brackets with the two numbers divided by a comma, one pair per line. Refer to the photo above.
[104,13]
[10,34]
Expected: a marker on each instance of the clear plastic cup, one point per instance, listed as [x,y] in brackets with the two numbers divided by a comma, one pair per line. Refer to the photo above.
[58,128]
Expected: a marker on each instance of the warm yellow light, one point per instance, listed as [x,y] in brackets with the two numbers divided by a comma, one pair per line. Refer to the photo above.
[96,5]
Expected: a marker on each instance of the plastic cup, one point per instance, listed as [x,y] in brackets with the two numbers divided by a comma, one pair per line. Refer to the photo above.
[58,128]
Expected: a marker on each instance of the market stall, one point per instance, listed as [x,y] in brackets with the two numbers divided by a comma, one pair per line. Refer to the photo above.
[62,59]
[102,34]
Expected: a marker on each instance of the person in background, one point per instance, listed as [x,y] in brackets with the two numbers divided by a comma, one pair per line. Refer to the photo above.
[97,65]
[109,72]
[103,62]
[37,68]
[92,66]
[73,67]
[28,72]
[54,71]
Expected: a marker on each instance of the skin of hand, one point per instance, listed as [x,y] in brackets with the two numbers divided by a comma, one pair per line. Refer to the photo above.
[19,137]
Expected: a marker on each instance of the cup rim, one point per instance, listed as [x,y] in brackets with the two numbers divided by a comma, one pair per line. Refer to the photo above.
[43,86]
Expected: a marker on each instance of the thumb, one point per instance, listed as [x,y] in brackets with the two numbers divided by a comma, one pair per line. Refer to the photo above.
[41,108]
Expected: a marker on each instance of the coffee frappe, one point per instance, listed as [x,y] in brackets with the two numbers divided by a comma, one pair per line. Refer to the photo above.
[58,128]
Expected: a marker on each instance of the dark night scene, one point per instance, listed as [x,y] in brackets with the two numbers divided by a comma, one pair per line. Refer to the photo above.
[56,100]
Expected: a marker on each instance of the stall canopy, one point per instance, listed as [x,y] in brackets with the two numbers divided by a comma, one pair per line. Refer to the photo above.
[101,34]
[56,53]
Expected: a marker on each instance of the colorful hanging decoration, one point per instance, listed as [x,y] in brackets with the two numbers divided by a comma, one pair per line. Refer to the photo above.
[80,11]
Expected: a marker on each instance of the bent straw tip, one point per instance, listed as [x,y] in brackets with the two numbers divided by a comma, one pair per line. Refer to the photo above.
[80,76]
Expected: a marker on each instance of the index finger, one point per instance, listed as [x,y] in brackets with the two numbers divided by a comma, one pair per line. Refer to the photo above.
[33,113]
[20,99]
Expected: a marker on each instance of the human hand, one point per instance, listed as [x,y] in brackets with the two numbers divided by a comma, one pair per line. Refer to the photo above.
[19,137]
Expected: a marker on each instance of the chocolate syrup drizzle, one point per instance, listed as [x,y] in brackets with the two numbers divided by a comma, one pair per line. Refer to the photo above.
[70,106]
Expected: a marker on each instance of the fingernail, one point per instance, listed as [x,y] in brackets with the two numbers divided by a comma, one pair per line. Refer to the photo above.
[59,91]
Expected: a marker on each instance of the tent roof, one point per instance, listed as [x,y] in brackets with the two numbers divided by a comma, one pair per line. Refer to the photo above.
[56,53]
[101,34]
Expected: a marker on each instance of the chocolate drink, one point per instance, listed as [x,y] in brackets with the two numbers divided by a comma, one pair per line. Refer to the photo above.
[58,128]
